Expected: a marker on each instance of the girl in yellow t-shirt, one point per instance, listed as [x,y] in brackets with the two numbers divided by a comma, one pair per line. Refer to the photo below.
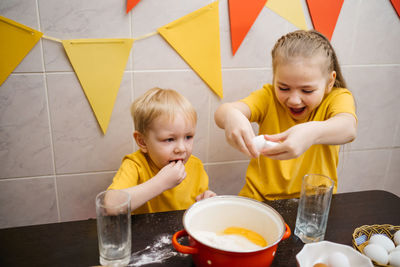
[306,110]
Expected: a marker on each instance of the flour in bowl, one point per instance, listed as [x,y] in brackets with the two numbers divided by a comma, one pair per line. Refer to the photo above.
[229,242]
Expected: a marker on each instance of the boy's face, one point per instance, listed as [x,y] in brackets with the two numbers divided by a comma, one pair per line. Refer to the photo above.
[300,85]
[168,141]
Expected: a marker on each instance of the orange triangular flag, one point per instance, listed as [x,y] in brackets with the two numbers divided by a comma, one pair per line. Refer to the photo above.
[131,4]
[324,15]
[16,41]
[396,5]
[99,65]
[242,15]
[195,37]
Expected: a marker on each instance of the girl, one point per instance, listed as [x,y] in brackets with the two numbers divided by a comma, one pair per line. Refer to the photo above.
[306,109]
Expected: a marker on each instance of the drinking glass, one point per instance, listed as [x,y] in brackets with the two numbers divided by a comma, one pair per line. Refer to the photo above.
[313,210]
[113,210]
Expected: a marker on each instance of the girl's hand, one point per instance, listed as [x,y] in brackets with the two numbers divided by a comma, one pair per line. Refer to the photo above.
[171,175]
[239,133]
[205,194]
[293,142]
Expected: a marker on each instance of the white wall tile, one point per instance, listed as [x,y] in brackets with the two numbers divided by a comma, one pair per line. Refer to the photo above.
[227,178]
[77,194]
[25,12]
[25,148]
[376,93]
[376,40]
[362,170]
[27,201]
[77,19]
[392,182]
[79,143]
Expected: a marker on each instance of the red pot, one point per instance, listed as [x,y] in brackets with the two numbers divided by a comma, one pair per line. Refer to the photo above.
[216,214]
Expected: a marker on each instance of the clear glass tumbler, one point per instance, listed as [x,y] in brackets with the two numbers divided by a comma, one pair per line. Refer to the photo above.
[313,210]
[113,209]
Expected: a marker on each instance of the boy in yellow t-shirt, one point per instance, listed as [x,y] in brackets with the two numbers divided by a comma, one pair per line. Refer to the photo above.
[163,174]
[306,110]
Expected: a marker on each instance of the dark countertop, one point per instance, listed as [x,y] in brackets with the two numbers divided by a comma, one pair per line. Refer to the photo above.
[75,243]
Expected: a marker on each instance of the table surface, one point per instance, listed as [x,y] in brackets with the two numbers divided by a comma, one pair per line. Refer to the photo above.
[75,243]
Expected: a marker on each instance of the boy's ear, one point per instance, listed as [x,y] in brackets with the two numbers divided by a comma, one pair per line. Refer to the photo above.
[140,141]
[331,81]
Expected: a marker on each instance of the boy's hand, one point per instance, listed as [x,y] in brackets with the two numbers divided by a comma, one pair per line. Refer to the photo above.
[172,174]
[294,142]
[205,194]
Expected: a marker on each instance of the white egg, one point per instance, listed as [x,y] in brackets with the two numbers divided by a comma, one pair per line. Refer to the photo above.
[260,142]
[338,259]
[396,238]
[382,240]
[394,258]
[377,253]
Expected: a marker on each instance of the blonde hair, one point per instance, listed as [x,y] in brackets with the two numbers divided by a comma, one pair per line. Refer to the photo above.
[307,44]
[156,102]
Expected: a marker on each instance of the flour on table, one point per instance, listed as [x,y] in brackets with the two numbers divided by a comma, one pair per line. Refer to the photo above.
[157,252]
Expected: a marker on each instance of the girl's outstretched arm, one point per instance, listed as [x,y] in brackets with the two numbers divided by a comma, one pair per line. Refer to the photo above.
[338,130]
[234,119]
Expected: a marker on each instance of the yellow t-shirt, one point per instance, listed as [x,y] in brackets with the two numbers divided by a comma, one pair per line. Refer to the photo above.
[135,169]
[268,179]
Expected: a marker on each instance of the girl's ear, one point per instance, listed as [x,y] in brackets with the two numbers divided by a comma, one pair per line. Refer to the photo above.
[140,141]
[331,81]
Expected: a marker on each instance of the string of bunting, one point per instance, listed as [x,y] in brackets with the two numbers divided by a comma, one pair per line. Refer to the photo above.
[99,63]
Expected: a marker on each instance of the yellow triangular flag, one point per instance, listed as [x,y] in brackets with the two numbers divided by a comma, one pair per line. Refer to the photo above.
[99,65]
[291,10]
[195,37]
[16,40]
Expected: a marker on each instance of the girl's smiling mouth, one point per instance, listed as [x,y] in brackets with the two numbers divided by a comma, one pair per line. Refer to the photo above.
[297,111]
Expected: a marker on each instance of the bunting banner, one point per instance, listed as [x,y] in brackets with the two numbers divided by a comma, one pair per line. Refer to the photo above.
[324,15]
[291,10]
[396,5]
[99,65]
[16,41]
[242,15]
[195,37]
[131,4]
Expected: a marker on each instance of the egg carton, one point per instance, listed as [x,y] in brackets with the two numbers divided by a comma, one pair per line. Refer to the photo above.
[362,234]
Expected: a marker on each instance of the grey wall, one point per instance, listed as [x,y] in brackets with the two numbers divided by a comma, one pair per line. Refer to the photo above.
[54,158]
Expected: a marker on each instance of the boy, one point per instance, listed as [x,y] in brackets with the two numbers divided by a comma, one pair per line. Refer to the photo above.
[163,174]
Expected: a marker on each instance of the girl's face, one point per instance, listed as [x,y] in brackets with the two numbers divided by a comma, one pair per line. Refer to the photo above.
[301,84]
[168,141]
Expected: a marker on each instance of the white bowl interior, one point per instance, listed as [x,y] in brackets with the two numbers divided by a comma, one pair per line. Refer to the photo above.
[217,213]
[318,252]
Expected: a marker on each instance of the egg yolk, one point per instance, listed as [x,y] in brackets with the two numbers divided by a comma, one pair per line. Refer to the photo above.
[250,235]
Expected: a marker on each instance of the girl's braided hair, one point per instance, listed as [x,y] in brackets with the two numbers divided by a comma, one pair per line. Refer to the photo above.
[307,44]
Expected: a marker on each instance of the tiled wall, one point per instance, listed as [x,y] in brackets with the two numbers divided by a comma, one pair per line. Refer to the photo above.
[54,158]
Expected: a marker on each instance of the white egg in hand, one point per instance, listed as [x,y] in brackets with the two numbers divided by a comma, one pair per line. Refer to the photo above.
[338,259]
[382,240]
[396,238]
[394,258]
[376,253]
[260,142]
